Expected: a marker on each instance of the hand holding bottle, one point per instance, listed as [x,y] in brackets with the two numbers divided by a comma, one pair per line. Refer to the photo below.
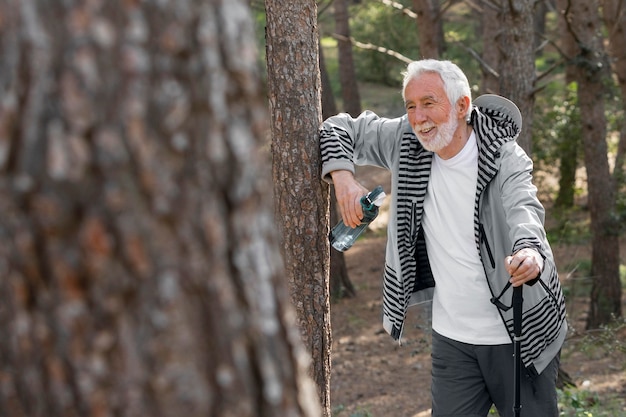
[348,193]
[342,237]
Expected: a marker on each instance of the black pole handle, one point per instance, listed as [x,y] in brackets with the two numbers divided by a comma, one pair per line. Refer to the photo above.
[517,303]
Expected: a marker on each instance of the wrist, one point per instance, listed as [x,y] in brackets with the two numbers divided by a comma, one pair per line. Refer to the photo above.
[340,174]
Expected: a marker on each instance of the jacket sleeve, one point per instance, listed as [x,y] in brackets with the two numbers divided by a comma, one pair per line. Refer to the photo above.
[366,140]
[525,214]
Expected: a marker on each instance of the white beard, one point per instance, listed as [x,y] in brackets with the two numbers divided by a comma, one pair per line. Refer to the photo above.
[445,133]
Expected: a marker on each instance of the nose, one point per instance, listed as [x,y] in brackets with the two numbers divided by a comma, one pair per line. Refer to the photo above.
[416,116]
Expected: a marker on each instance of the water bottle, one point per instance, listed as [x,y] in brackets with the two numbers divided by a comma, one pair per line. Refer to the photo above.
[342,237]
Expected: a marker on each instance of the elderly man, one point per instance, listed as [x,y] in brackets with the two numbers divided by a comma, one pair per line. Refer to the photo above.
[465,227]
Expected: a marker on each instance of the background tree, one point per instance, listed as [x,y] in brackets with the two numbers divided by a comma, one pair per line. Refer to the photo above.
[489,15]
[340,283]
[347,74]
[429,27]
[301,199]
[140,270]
[592,73]
[614,14]
[329,105]
[517,62]
[569,134]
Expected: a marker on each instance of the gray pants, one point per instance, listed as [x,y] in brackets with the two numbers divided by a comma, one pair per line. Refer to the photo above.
[469,379]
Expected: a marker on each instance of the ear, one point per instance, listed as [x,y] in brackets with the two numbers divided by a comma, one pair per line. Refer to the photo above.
[462,107]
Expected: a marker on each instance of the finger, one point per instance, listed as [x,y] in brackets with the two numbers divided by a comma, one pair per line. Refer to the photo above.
[515,263]
[348,212]
[357,212]
[524,273]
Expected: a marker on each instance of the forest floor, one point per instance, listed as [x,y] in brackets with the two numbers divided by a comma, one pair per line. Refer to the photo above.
[373,376]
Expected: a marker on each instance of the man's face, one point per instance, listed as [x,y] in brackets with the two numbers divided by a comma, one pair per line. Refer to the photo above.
[430,113]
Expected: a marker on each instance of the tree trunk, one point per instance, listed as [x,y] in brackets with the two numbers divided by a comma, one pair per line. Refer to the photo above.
[340,284]
[614,13]
[568,157]
[141,274]
[329,106]
[490,17]
[301,199]
[592,73]
[571,139]
[347,75]
[539,24]
[517,71]
[429,27]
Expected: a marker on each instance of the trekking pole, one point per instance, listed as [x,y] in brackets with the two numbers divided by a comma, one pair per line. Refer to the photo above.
[517,349]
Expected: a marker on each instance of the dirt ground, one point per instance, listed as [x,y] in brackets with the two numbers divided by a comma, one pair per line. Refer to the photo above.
[373,376]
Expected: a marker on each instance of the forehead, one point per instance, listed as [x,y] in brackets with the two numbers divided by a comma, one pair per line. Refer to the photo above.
[426,86]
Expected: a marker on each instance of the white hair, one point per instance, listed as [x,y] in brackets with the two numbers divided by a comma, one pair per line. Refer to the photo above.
[454,80]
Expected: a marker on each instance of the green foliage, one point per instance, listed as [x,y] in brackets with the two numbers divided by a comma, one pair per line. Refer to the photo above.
[329,48]
[556,122]
[574,402]
[578,282]
[605,341]
[337,411]
[375,23]
[569,226]
[381,25]
[603,344]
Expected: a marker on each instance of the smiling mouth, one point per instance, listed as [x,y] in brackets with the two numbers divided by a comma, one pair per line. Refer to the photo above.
[424,131]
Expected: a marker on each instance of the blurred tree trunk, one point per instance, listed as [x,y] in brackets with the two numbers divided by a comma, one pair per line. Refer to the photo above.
[491,32]
[329,105]
[614,13]
[570,140]
[429,27]
[141,274]
[517,64]
[592,72]
[539,24]
[347,74]
[340,284]
[301,198]
[568,148]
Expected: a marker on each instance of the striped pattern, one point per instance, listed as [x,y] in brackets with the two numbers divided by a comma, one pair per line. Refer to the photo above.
[337,145]
[541,322]
[413,175]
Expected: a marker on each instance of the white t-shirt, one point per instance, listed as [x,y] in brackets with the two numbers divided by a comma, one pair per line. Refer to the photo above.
[461,307]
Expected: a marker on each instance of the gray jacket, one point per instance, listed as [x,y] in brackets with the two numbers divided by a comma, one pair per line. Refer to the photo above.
[507,217]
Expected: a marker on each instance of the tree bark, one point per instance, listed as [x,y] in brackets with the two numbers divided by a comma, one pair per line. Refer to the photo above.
[592,72]
[539,24]
[347,74]
[570,142]
[340,283]
[429,27]
[517,71]
[301,198]
[614,14]
[329,105]
[489,17]
[141,272]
